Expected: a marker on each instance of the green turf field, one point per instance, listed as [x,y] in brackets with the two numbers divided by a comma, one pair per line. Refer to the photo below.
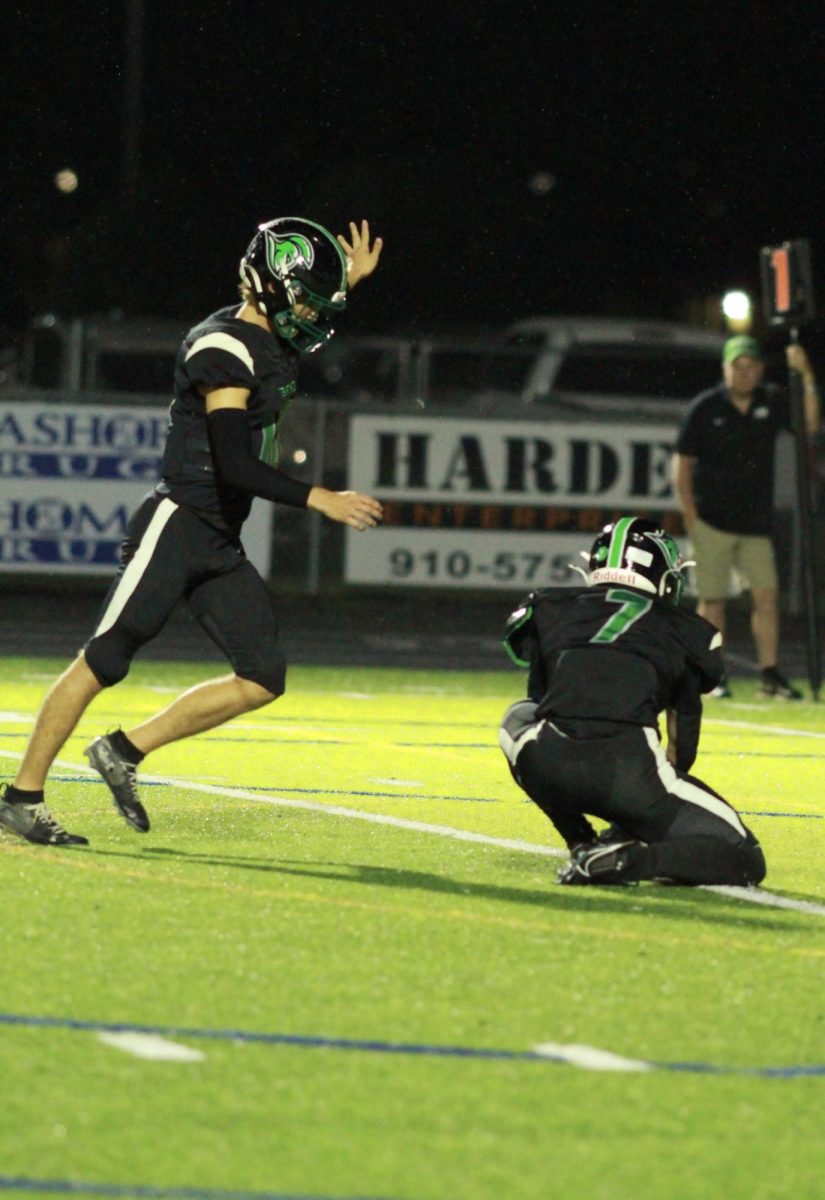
[361,990]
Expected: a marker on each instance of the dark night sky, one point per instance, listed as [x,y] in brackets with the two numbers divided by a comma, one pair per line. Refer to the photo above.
[681,137]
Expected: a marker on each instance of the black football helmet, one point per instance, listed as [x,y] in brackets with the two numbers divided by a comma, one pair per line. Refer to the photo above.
[639,554]
[292,262]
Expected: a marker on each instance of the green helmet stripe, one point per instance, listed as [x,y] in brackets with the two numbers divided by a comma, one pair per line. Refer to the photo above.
[617,541]
[668,546]
[671,550]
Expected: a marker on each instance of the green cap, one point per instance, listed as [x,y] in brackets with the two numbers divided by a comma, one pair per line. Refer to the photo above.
[736,347]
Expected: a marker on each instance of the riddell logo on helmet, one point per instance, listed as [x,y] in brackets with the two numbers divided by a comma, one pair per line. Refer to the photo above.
[285,251]
[613,574]
[623,575]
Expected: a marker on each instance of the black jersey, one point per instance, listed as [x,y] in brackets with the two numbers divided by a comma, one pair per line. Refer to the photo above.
[224,352]
[605,658]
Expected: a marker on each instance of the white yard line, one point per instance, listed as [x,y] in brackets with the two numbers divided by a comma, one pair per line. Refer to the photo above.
[759,896]
[750,895]
[779,730]
[151,1046]
[590,1058]
[399,783]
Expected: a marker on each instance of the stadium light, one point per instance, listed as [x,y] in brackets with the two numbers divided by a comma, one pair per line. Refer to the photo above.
[66,181]
[542,183]
[738,311]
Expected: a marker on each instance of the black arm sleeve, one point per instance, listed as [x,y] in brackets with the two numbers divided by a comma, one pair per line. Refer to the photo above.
[239,468]
[537,679]
[685,714]
[688,727]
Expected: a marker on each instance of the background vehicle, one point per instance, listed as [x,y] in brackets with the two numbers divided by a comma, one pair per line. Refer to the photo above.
[564,364]
[616,365]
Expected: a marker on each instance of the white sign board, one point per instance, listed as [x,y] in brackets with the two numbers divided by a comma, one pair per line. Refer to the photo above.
[489,503]
[71,475]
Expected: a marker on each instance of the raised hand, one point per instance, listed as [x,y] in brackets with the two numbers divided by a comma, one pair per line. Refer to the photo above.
[798,360]
[362,258]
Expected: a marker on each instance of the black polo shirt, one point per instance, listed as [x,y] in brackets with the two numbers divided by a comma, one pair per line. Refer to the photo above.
[734,452]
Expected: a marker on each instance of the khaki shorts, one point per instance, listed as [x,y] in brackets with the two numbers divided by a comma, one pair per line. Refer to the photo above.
[718,554]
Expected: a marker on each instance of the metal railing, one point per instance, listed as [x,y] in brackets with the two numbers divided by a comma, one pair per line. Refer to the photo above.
[469,377]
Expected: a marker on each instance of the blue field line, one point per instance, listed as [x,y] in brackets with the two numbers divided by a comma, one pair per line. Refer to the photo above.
[414,1049]
[447,745]
[399,795]
[291,741]
[752,812]
[756,754]
[378,795]
[150,783]
[487,745]
[77,1187]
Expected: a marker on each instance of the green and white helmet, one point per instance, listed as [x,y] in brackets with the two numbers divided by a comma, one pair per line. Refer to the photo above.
[293,262]
[637,553]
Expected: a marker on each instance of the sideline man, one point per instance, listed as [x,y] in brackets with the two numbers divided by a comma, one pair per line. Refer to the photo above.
[605,660]
[235,376]
[724,478]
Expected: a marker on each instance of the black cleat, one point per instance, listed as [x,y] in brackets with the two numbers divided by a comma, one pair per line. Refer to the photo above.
[613,833]
[121,778]
[601,864]
[775,686]
[36,824]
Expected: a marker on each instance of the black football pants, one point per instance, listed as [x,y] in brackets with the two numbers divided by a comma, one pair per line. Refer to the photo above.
[693,835]
[169,555]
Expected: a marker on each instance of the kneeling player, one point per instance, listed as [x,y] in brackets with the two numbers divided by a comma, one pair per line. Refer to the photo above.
[605,660]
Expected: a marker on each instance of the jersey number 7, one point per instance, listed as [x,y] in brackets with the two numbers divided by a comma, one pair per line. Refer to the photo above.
[633,606]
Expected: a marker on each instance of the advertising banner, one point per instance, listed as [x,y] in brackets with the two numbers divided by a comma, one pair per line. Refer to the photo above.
[71,475]
[487,503]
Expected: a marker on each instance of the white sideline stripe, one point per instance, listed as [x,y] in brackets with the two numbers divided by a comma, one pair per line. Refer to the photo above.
[397,782]
[134,571]
[780,730]
[690,791]
[152,1046]
[771,899]
[336,810]
[222,341]
[751,895]
[590,1058]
